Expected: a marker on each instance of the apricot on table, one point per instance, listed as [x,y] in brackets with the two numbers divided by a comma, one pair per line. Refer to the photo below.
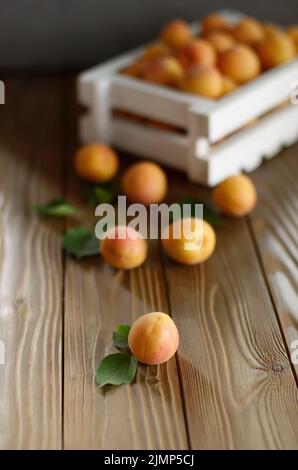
[164,71]
[96,163]
[124,248]
[145,183]
[240,63]
[275,50]
[220,40]
[204,81]
[153,338]
[197,52]
[249,31]
[176,34]
[236,196]
[194,244]
[215,22]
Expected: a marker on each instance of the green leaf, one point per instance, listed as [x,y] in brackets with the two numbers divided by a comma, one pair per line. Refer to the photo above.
[102,193]
[120,336]
[116,369]
[81,242]
[209,214]
[54,208]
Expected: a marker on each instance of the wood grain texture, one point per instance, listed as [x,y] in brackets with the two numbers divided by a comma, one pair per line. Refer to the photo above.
[274,225]
[30,269]
[236,377]
[145,415]
[236,314]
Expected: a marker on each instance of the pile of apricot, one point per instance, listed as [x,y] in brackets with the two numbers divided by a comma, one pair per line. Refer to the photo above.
[218,60]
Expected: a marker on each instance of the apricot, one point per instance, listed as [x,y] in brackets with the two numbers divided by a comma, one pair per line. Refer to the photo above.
[197,52]
[164,71]
[240,63]
[220,40]
[236,196]
[292,33]
[228,85]
[176,34]
[124,248]
[155,50]
[204,81]
[145,183]
[275,50]
[96,163]
[195,244]
[153,338]
[249,31]
[215,22]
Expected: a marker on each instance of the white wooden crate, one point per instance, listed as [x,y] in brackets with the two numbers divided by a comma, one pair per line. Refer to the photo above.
[217,140]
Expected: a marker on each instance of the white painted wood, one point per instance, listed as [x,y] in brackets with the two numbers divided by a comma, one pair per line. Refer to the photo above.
[155,102]
[216,144]
[165,147]
[95,124]
[246,149]
[198,146]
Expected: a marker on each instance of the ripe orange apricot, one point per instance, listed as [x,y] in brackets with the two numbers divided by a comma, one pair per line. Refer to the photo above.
[96,163]
[204,81]
[194,244]
[164,71]
[240,63]
[275,50]
[292,32]
[220,40]
[145,183]
[215,22]
[124,248]
[176,34]
[197,52]
[249,31]
[236,196]
[153,338]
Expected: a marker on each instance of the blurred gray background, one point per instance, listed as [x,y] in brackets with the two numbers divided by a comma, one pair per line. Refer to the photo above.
[72,34]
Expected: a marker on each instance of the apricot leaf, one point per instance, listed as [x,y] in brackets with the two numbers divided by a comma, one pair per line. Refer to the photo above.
[116,369]
[81,242]
[54,208]
[104,193]
[120,336]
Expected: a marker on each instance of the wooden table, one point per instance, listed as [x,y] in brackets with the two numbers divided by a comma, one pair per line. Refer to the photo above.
[231,386]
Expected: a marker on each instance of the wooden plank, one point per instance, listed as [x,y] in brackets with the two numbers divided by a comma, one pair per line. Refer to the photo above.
[275,227]
[237,380]
[145,415]
[30,269]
